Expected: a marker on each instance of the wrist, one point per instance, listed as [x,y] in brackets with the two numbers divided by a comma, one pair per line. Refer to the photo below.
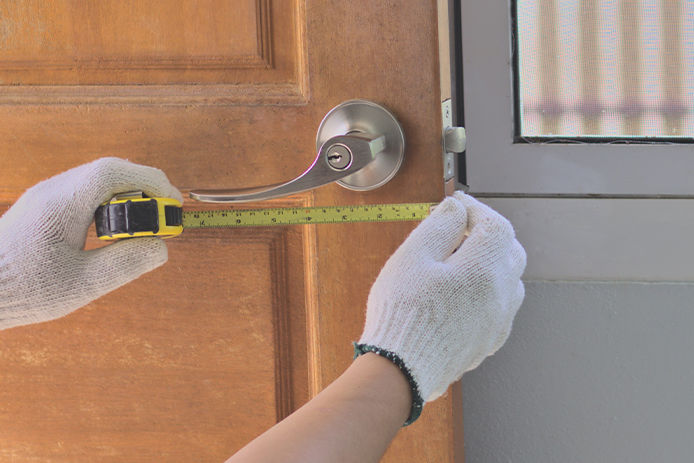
[396,366]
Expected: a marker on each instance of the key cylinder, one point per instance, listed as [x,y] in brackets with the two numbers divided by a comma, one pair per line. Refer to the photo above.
[339,157]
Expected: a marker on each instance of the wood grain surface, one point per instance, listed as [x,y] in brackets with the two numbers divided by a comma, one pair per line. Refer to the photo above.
[193,360]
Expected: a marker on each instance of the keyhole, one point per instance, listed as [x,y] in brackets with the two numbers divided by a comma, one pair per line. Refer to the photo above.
[339,157]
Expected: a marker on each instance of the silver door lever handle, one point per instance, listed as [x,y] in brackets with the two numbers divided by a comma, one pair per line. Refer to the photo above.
[337,158]
[363,150]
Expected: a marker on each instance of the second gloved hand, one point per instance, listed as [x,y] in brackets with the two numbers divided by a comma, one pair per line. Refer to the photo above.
[44,271]
[443,301]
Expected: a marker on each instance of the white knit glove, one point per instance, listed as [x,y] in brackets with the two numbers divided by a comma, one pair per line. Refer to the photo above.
[437,312]
[44,271]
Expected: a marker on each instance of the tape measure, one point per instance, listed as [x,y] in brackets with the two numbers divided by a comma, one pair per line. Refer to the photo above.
[127,217]
[305,215]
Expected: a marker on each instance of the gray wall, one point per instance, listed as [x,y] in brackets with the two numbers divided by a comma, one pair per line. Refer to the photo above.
[592,372]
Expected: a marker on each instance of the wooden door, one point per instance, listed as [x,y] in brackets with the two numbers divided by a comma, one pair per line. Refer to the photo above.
[239,328]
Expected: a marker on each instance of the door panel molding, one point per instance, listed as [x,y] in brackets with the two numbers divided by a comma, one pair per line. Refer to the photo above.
[257,56]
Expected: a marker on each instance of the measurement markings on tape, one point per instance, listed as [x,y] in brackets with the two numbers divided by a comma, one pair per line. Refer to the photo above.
[305,215]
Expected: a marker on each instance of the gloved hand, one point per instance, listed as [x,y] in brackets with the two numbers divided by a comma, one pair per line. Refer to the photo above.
[44,271]
[439,307]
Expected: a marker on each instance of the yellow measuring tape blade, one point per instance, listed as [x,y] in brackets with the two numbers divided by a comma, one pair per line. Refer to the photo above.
[305,215]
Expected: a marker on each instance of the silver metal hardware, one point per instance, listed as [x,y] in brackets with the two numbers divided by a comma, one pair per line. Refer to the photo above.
[365,117]
[360,146]
[339,157]
[453,141]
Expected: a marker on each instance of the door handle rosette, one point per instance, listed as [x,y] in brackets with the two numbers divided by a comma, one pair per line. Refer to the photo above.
[360,146]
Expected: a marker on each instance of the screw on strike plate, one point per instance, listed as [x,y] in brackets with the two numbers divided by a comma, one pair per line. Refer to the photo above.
[339,157]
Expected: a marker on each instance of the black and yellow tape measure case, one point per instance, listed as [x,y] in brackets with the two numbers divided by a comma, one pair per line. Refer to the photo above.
[134,217]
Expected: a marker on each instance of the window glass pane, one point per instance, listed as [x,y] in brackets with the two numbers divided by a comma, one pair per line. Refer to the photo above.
[606,68]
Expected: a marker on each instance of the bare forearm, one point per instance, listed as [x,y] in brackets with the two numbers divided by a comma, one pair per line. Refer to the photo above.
[352,420]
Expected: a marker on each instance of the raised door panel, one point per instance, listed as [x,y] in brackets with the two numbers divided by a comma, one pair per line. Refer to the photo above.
[188,363]
[65,50]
